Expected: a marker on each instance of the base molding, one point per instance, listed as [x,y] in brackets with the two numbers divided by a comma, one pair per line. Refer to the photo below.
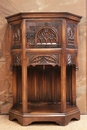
[61,119]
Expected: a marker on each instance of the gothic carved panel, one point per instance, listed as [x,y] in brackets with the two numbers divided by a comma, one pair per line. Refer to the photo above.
[46,35]
[70,33]
[16,29]
[44,60]
[16,59]
[43,34]
[71,40]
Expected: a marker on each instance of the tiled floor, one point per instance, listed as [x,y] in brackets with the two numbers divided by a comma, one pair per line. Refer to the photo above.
[5,124]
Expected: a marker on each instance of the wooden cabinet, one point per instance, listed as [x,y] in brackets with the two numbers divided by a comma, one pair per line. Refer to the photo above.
[44,60]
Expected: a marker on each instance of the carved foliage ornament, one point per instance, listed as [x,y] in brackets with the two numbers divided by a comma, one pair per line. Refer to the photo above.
[44,60]
[16,59]
[71,59]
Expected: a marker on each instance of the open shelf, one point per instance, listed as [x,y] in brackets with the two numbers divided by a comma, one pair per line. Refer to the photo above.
[43,108]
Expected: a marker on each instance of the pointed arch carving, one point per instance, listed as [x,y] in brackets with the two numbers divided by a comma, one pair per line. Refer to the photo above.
[46,35]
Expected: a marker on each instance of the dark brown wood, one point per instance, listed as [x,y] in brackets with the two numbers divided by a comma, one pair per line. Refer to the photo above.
[14,86]
[44,59]
[73,94]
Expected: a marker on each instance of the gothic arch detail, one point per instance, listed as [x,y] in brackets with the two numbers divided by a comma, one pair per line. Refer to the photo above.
[46,35]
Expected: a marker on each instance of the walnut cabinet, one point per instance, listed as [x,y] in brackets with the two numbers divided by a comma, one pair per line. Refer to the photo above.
[44,58]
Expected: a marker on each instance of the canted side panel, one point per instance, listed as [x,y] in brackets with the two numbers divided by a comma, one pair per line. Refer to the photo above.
[43,84]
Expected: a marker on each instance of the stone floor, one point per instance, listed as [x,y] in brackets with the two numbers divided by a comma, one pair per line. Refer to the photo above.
[5,124]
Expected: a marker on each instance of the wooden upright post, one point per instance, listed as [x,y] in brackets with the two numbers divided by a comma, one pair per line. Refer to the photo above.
[24,71]
[63,68]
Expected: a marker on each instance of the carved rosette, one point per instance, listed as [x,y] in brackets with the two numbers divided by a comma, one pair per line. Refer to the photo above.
[16,59]
[43,60]
[16,30]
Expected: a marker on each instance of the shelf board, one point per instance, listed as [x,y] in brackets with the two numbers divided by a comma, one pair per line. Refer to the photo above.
[43,108]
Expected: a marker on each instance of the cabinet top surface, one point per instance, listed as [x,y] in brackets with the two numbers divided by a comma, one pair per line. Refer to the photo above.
[33,15]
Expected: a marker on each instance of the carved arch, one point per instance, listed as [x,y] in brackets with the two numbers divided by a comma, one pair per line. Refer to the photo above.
[46,35]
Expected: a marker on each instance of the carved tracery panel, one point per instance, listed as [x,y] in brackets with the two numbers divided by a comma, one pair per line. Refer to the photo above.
[43,60]
[43,34]
[46,36]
